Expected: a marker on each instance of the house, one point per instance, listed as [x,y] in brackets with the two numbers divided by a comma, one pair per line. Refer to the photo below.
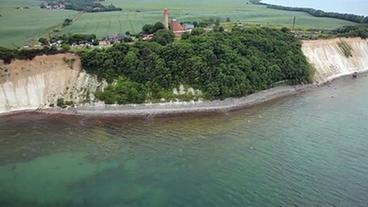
[53,5]
[176,28]
[114,38]
[188,27]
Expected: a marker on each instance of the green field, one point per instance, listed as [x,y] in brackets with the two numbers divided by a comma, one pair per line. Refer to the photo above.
[19,26]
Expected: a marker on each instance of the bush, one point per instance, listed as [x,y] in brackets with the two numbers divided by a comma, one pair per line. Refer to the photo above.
[345,48]
[65,47]
[43,41]
[7,54]
[123,91]
[198,31]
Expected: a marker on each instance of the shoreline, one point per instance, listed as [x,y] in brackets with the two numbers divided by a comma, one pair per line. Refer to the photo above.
[180,108]
[171,109]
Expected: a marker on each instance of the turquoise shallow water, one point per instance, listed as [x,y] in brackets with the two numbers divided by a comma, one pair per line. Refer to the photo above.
[306,150]
[359,7]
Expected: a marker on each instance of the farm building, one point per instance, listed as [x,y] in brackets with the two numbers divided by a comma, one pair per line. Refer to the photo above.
[53,5]
[175,26]
[188,27]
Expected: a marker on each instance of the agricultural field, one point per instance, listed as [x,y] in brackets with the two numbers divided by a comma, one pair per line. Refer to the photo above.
[17,26]
[20,26]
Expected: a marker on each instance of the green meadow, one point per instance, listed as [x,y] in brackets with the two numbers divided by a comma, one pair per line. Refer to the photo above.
[21,26]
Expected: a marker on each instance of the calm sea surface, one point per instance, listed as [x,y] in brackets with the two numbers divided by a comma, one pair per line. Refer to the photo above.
[306,150]
[344,6]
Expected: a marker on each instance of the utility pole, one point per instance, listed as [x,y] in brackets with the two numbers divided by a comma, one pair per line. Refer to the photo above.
[294,23]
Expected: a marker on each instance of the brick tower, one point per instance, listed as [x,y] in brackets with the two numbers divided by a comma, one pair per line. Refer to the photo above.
[166,18]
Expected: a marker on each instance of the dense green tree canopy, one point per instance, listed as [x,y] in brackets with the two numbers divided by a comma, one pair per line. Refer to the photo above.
[221,64]
[164,37]
[152,28]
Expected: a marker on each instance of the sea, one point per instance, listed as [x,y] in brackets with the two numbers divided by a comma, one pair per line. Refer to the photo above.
[304,150]
[359,7]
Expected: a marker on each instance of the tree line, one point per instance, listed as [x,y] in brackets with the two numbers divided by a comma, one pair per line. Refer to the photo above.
[84,5]
[220,64]
[351,31]
[7,55]
[317,13]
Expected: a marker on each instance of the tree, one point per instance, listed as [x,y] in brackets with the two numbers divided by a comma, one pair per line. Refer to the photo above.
[217,22]
[158,26]
[220,29]
[67,22]
[150,29]
[43,41]
[185,35]
[285,29]
[198,31]
[80,38]
[213,90]
[164,37]
[6,54]
[147,29]
[123,91]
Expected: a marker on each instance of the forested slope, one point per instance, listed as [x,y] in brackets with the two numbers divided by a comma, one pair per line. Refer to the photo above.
[220,64]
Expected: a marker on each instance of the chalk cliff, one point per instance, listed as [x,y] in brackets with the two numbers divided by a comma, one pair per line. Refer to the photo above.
[39,83]
[333,58]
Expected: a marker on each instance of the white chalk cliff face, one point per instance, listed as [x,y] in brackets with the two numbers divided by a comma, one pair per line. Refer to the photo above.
[41,82]
[329,60]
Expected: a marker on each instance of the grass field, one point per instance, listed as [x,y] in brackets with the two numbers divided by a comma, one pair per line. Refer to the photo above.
[19,26]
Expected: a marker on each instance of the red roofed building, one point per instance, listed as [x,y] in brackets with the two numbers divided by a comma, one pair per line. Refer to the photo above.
[176,28]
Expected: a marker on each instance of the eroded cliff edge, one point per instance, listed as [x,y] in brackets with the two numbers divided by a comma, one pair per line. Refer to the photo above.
[41,82]
[333,58]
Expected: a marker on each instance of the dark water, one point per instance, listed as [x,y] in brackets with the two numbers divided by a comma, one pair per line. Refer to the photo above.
[307,150]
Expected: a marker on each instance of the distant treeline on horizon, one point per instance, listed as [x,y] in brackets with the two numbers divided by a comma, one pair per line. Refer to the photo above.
[83,5]
[317,13]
